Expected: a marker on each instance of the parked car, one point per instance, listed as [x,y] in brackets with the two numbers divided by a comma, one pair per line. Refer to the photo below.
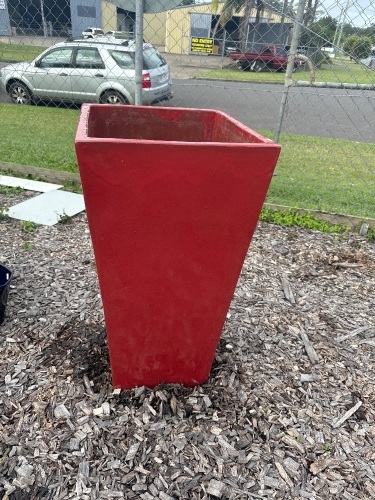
[270,56]
[92,33]
[120,34]
[369,62]
[88,71]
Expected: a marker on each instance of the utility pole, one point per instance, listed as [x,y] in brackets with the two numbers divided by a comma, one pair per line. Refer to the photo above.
[340,27]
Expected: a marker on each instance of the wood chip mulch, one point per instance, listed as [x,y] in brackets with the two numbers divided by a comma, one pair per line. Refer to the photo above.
[288,411]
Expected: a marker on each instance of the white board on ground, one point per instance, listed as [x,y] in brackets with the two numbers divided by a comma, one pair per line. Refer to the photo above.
[28,184]
[48,208]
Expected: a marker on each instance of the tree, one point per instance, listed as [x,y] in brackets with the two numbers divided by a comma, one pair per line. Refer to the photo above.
[259,12]
[358,47]
[321,33]
[367,31]
[230,8]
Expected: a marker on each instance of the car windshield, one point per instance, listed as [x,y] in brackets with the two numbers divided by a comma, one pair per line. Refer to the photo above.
[151,59]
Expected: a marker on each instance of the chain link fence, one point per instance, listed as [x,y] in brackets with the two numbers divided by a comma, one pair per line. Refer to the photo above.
[304,71]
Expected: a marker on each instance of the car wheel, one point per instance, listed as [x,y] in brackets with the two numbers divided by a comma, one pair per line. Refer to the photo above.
[19,93]
[243,66]
[113,97]
[258,66]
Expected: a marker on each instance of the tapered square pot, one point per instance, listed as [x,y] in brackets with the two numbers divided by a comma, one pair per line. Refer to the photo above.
[173,196]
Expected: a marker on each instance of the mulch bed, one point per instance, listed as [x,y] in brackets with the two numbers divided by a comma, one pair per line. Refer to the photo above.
[288,411]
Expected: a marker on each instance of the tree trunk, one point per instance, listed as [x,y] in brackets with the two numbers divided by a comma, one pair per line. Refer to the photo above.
[216,27]
[244,24]
[282,21]
[259,13]
[307,19]
[314,11]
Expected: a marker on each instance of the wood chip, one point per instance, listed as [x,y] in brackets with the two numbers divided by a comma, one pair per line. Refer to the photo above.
[61,411]
[347,264]
[310,377]
[270,422]
[287,289]
[321,464]
[313,357]
[283,474]
[216,488]
[347,415]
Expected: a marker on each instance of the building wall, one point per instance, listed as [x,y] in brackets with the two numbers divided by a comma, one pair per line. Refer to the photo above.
[126,22]
[154,28]
[4,19]
[85,13]
[109,16]
[172,29]
[178,27]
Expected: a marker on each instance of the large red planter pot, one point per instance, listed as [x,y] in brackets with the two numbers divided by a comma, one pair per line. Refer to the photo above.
[172,196]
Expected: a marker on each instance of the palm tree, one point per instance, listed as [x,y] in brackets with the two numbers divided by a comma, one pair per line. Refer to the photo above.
[282,20]
[232,7]
[310,14]
[259,4]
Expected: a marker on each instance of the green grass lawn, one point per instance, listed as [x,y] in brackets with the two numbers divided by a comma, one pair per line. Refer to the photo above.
[12,52]
[40,136]
[315,173]
[331,175]
[343,72]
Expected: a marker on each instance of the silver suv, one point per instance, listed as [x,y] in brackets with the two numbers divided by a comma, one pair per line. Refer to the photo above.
[88,71]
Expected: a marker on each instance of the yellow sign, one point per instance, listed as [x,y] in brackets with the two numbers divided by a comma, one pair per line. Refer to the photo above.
[202,45]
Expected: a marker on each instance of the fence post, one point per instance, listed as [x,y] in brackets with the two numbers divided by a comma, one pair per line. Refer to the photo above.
[138,51]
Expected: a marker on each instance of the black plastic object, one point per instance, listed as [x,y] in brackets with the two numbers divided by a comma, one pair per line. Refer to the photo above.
[5,279]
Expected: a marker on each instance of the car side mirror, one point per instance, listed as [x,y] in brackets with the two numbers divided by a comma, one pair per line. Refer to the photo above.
[37,64]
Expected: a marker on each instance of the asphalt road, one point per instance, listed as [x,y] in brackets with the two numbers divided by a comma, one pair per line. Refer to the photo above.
[335,113]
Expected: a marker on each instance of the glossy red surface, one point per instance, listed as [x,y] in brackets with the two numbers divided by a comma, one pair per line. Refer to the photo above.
[172,197]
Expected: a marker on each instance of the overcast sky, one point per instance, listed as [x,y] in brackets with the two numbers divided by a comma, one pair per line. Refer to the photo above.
[359,12]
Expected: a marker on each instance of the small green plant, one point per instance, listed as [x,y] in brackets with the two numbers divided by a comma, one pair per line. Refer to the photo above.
[28,246]
[10,191]
[72,186]
[266,408]
[65,219]
[293,218]
[371,234]
[4,213]
[28,227]
[327,447]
